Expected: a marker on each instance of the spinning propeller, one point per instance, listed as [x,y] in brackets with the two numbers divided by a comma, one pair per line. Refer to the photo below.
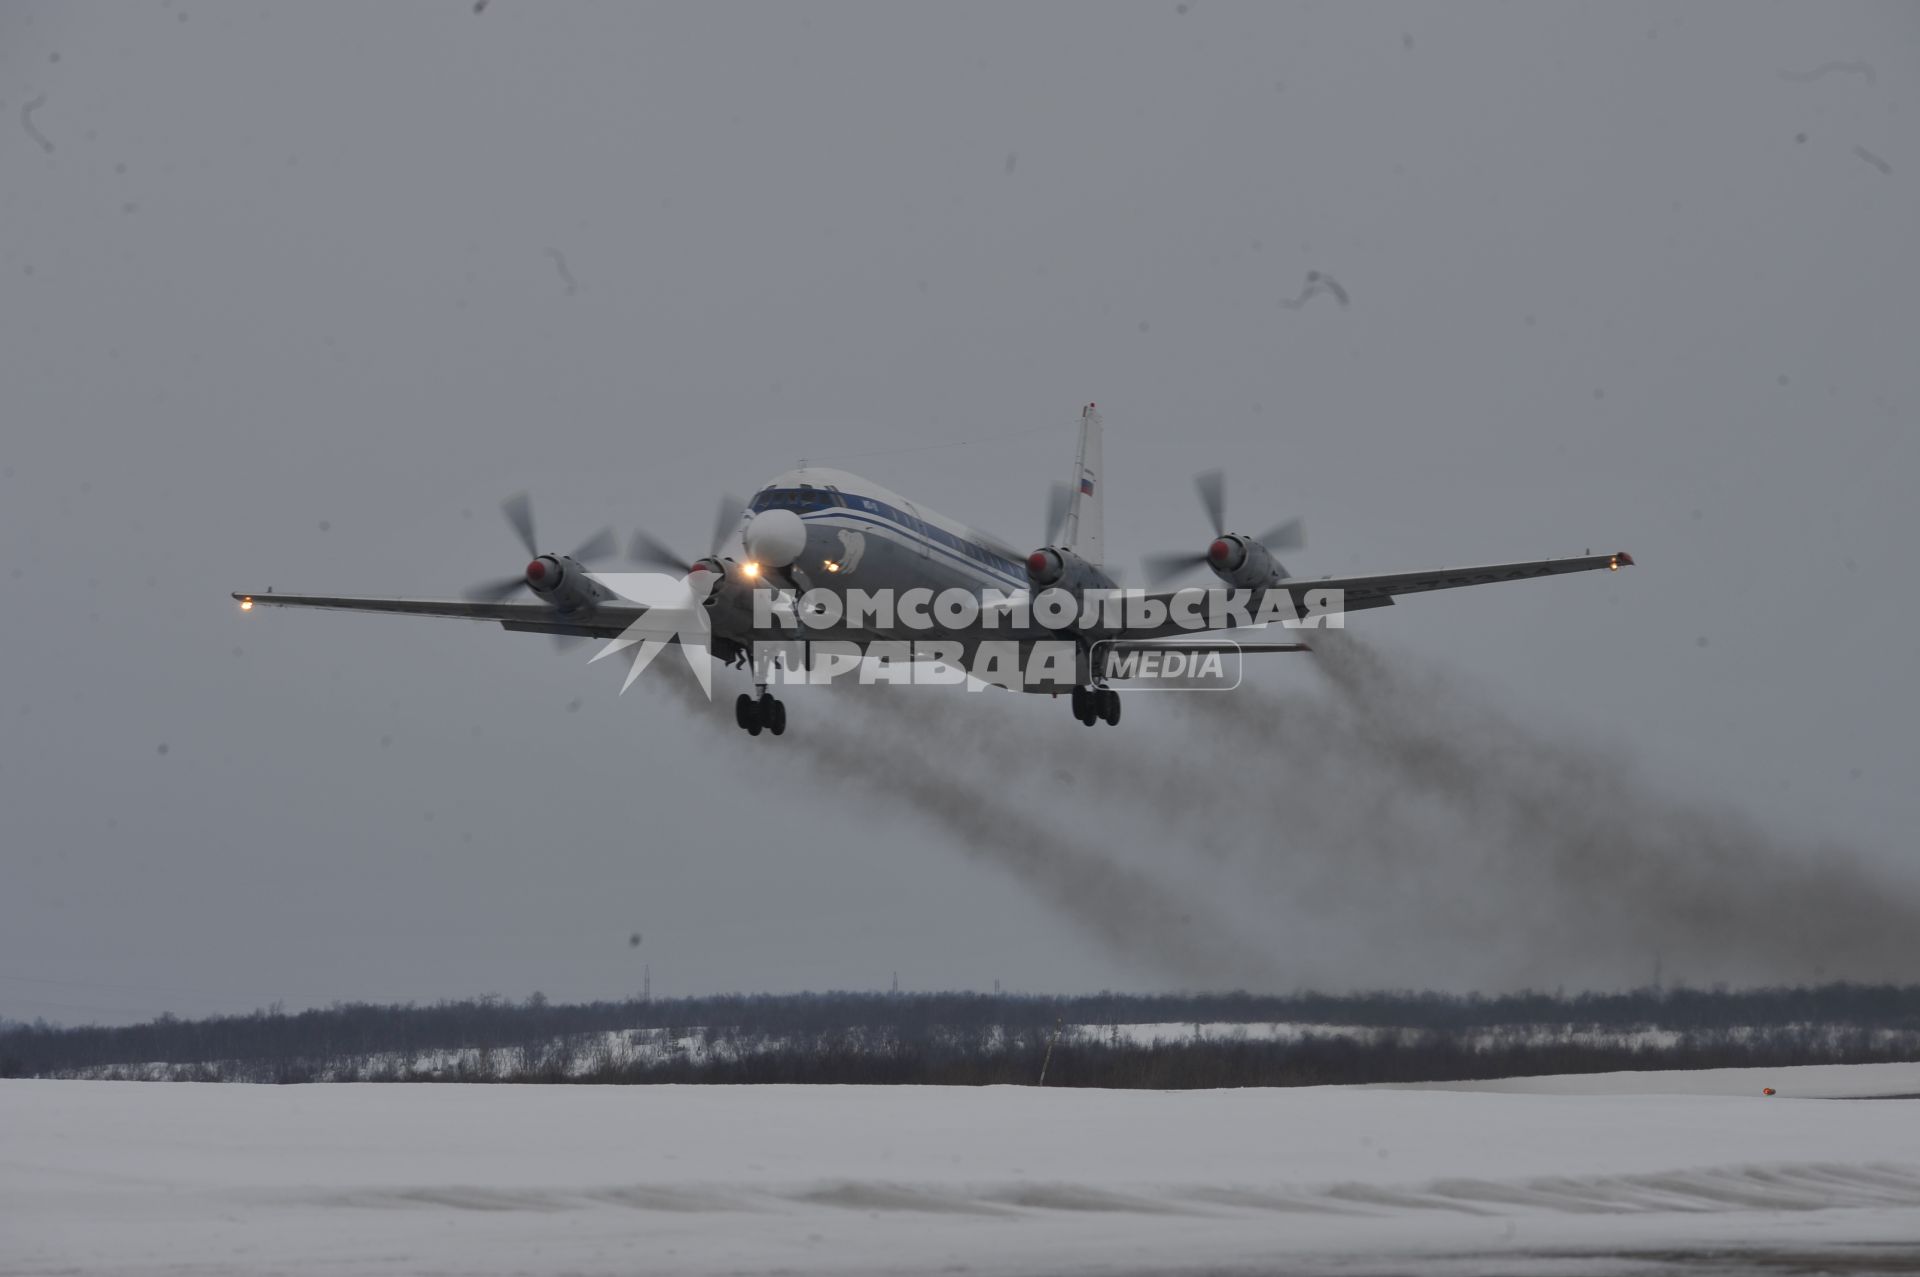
[773,539]
[1212,487]
[649,551]
[519,511]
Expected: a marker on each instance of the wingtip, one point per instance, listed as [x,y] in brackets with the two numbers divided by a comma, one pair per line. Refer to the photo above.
[1624,559]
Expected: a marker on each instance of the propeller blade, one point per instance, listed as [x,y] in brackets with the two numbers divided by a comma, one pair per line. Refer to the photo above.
[1291,535]
[1212,487]
[726,519]
[600,545]
[644,549]
[1059,497]
[1161,568]
[494,591]
[519,511]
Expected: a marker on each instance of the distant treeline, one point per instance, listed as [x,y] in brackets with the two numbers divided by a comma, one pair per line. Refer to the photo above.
[1426,1055]
[966,1038]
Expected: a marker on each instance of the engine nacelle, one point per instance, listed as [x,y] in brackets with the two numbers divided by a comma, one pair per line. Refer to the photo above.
[1052,568]
[563,583]
[1242,562]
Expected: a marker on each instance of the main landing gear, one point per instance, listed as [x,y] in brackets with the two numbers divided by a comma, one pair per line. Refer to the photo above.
[1094,704]
[755,713]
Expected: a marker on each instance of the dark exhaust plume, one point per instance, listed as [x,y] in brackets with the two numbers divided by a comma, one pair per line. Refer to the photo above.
[1392,828]
[1121,907]
[1551,855]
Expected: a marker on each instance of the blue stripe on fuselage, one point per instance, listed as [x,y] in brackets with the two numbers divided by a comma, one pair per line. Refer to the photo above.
[918,538]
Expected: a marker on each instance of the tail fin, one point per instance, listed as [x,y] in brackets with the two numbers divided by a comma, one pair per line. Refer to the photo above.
[1084,532]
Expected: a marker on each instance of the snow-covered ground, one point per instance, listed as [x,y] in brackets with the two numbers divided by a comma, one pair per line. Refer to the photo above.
[1563,1175]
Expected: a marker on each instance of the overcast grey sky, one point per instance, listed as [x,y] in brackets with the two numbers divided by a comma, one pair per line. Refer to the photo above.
[295,293]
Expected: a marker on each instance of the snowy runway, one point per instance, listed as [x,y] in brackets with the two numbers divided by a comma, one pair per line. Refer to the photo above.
[1561,1174]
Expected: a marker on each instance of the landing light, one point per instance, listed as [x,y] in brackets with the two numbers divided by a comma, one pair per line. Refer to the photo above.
[830,565]
[750,568]
[246,605]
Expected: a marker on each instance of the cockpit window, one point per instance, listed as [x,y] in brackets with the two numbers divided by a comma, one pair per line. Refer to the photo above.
[799,500]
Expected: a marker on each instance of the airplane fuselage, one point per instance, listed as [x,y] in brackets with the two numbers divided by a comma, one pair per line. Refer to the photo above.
[863,536]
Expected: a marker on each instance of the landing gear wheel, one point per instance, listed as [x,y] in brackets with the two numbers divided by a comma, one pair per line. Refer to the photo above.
[1110,706]
[774,711]
[744,712]
[1086,706]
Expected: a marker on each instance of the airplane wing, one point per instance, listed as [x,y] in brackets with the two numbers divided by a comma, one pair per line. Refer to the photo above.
[1362,592]
[1365,590]
[607,620]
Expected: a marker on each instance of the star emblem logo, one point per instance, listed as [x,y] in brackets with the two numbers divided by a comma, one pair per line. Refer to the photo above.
[676,610]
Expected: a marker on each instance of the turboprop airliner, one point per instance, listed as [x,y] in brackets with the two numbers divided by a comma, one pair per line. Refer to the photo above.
[800,564]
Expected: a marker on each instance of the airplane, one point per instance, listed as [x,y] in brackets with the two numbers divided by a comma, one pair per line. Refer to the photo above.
[824,535]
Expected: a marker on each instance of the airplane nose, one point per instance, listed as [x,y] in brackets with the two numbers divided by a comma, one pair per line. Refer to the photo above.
[776,537]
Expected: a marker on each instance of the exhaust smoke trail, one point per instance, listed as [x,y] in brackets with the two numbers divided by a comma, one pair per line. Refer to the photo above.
[1119,906]
[1565,862]
[1123,908]
[1195,794]
[1393,829]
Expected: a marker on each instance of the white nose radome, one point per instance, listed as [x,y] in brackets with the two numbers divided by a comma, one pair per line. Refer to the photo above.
[776,537]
